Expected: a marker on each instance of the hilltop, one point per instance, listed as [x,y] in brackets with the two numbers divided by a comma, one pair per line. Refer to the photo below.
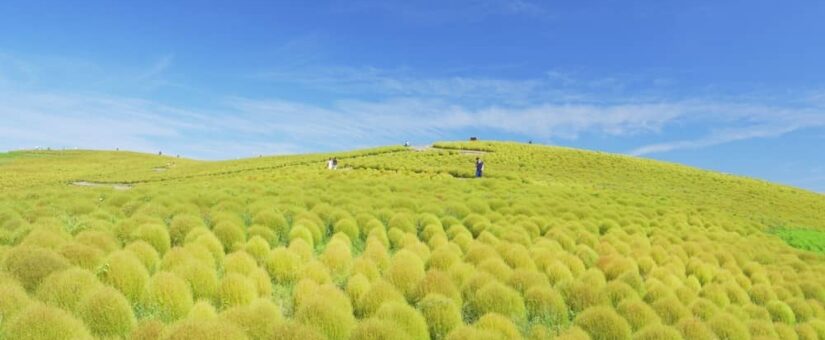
[404,243]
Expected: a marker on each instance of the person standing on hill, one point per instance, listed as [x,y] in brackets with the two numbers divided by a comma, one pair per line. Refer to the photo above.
[329,164]
[479,167]
[334,163]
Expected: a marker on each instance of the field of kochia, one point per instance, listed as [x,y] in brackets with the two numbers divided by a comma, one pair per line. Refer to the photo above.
[403,244]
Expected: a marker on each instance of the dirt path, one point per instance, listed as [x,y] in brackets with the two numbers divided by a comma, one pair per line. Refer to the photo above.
[116,186]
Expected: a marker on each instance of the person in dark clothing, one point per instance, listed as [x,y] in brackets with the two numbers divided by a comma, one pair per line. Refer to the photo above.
[479,167]
[334,163]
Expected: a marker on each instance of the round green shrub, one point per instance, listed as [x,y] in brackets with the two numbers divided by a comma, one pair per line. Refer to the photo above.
[726,326]
[203,330]
[406,270]
[202,310]
[102,240]
[38,321]
[375,329]
[637,313]
[406,318]
[603,323]
[181,225]
[236,290]
[495,297]
[580,296]
[145,253]
[48,238]
[657,332]
[239,262]
[670,310]
[380,292]
[30,265]
[258,320]
[169,296]
[156,235]
[545,305]
[334,321]
[441,313]
[257,247]
[149,329]
[14,299]
[106,312]
[781,312]
[81,255]
[498,324]
[201,278]
[230,234]
[291,330]
[693,328]
[125,272]
[66,288]
[338,258]
[283,265]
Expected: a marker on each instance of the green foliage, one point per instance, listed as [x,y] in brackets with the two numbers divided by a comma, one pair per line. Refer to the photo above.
[30,265]
[106,312]
[169,296]
[806,239]
[39,321]
[125,272]
[603,323]
[66,288]
[236,290]
[441,314]
[278,247]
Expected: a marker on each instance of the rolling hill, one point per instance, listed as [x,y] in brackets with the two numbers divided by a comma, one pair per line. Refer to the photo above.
[402,243]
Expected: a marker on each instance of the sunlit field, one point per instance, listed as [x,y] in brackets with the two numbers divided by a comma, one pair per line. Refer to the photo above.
[400,243]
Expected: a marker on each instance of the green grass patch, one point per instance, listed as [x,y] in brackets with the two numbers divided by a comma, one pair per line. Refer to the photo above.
[805,239]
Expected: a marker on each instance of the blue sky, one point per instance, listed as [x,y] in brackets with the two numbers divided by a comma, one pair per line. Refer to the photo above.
[734,86]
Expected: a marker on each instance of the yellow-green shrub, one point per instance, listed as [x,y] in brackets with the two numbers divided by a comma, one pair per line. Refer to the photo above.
[781,312]
[181,225]
[603,323]
[283,265]
[145,253]
[333,320]
[726,326]
[239,262]
[546,306]
[404,317]
[405,272]
[81,255]
[230,234]
[106,312]
[657,332]
[201,278]
[380,292]
[125,272]
[258,319]
[38,321]
[637,313]
[169,296]
[375,329]
[30,265]
[14,299]
[441,313]
[156,235]
[65,288]
[495,297]
[498,324]
[236,290]
[203,330]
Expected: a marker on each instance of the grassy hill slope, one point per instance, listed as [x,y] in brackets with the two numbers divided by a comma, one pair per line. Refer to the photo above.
[401,243]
